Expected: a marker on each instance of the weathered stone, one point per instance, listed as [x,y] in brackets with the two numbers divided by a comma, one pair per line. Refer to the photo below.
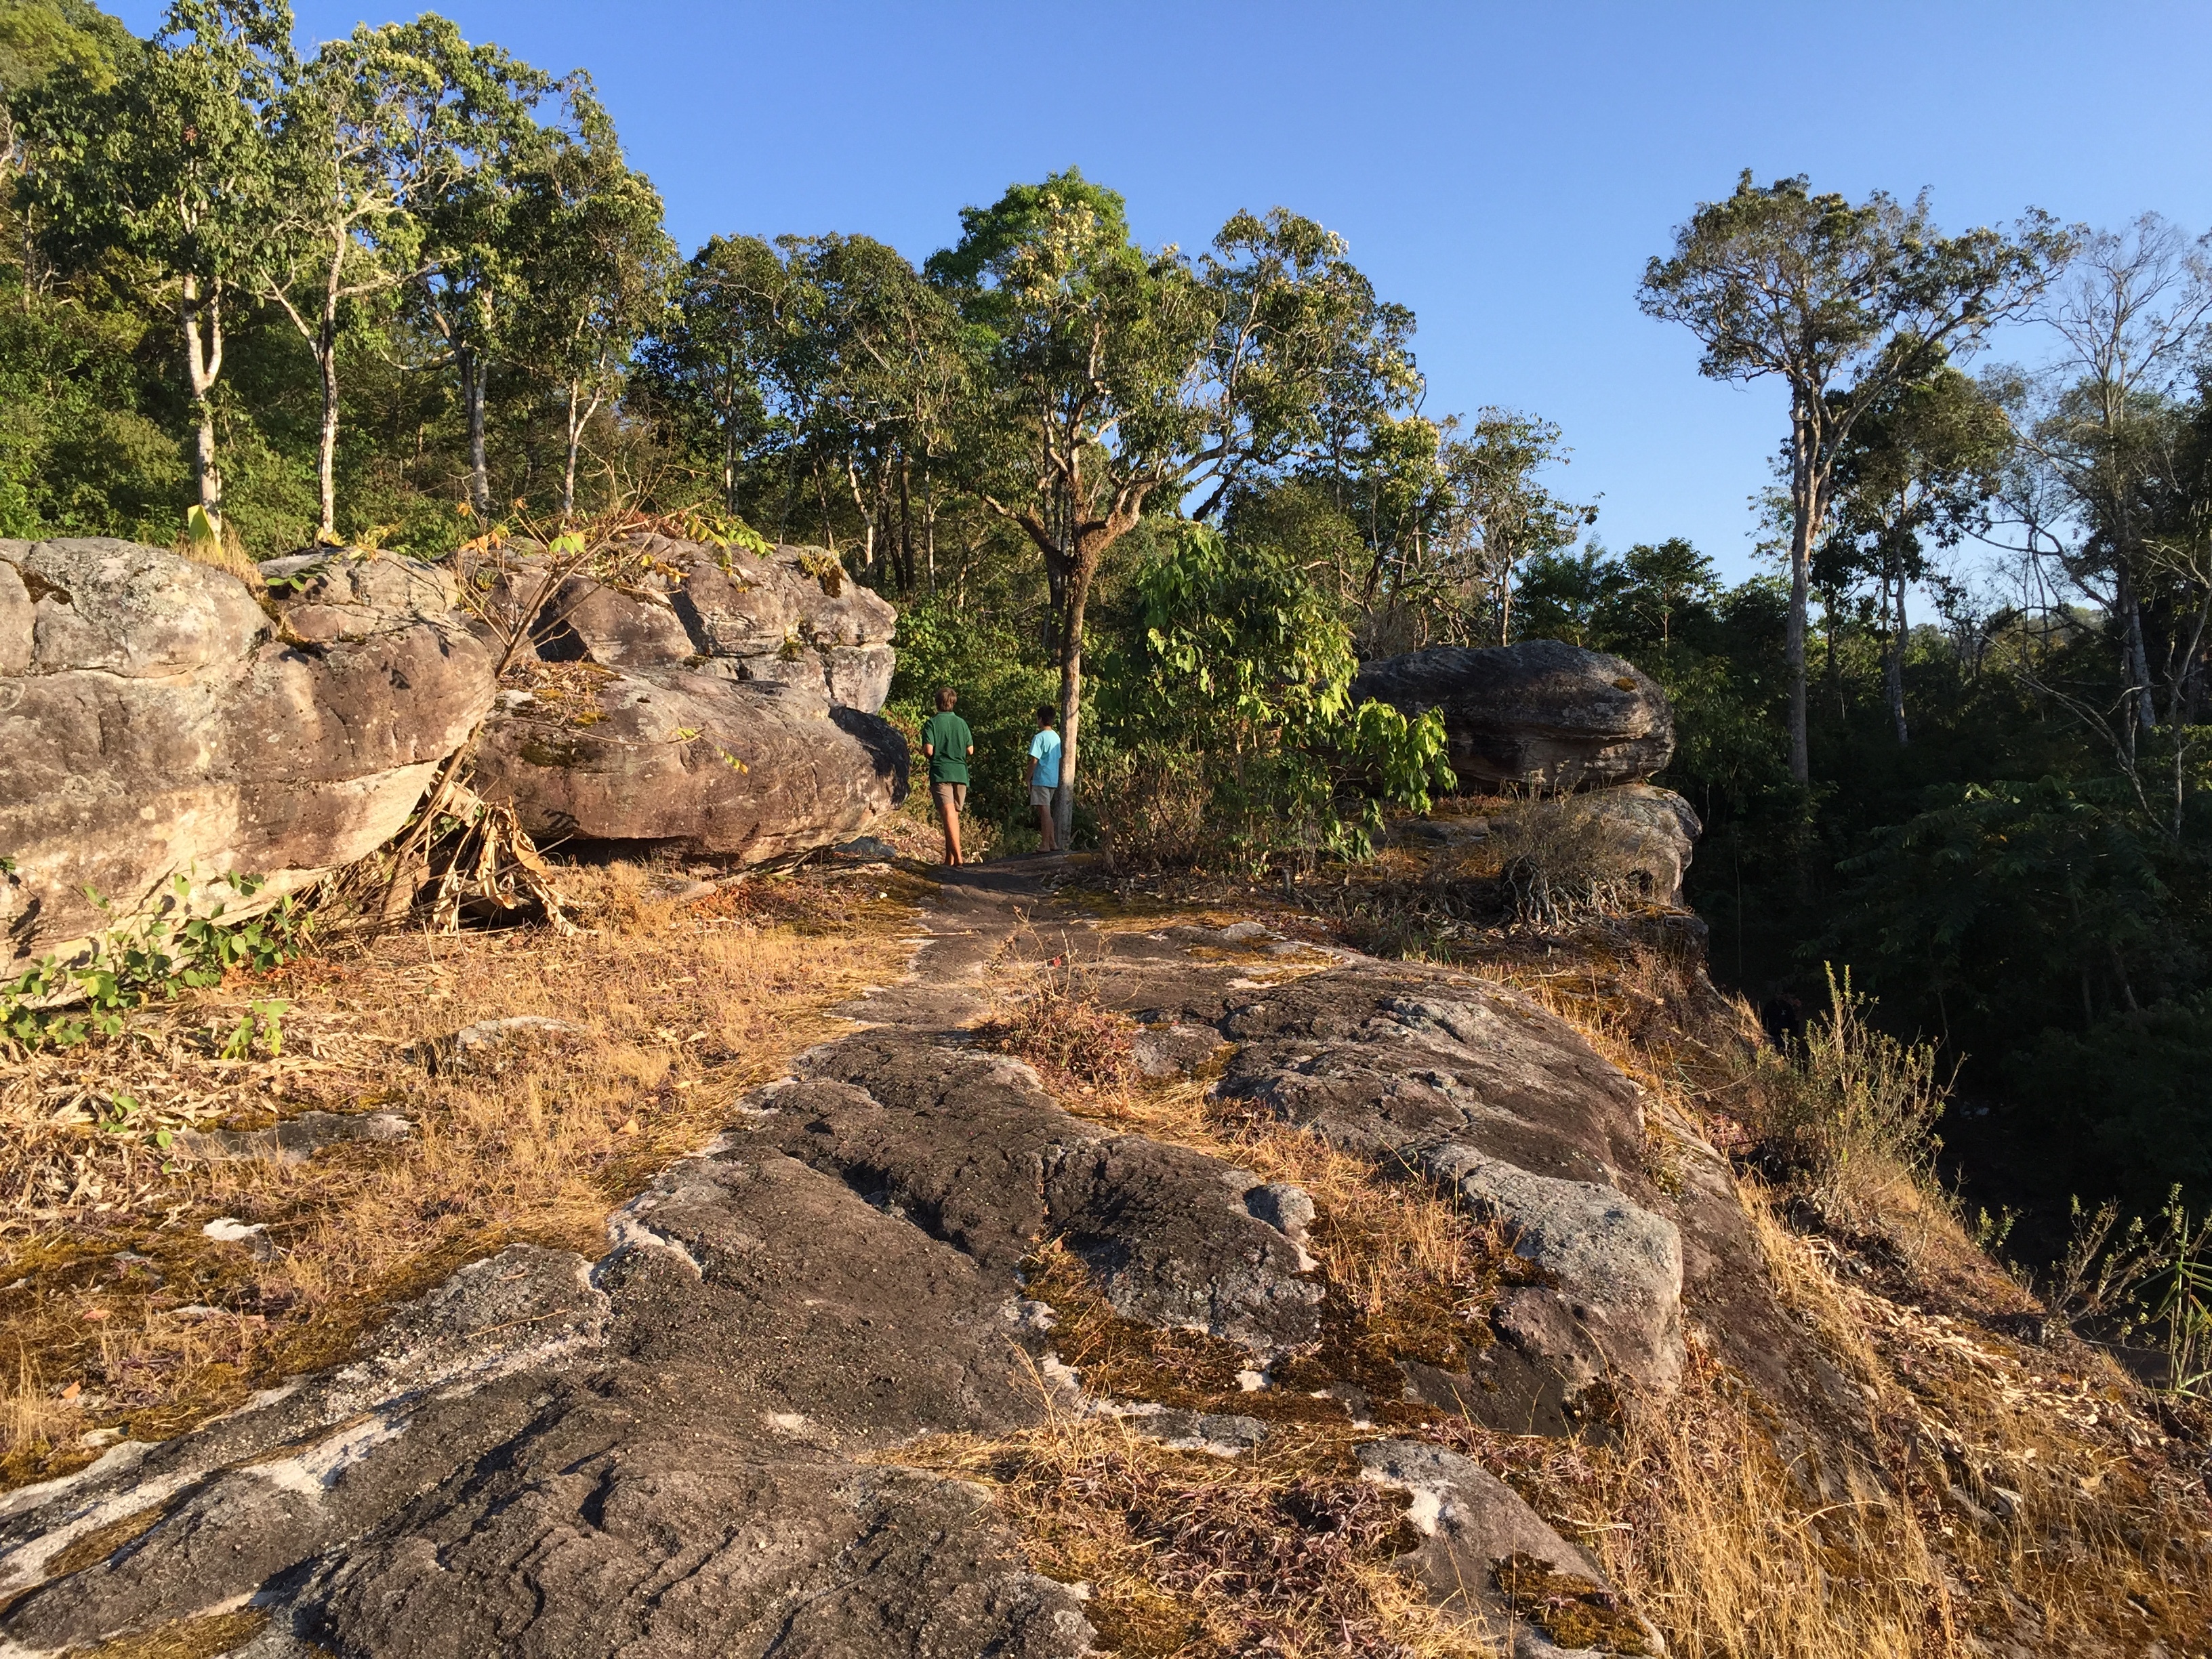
[295,1139]
[1508,1108]
[681,1470]
[791,616]
[970,1149]
[1618,1265]
[1540,713]
[1476,1531]
[157,729]
[692,761]
[614,629]
[1657,831]
[860,675]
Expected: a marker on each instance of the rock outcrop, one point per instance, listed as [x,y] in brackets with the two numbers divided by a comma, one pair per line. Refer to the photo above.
[1656,830]
[1540,713]
[728,707]
[159,718]
[155,721]
[693,1444]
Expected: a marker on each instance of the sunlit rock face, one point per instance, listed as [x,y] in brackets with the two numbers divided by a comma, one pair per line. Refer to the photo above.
[1540,713]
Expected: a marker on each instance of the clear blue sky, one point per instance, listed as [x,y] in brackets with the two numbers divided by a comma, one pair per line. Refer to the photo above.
[1504,169]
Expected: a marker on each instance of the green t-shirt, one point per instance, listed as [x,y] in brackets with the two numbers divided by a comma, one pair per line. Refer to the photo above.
[948,734]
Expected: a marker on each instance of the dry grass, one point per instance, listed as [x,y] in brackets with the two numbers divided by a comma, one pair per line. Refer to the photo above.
[1284,1551]
[2022,1497]
[202,1638]
[1992,1497]
[125,1319]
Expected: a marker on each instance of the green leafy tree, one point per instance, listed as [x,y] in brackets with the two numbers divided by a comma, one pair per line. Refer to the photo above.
[457,133]
[721,363]
[1107,377]
[174,166]
[343,232]
[1921,462]
[1843,303]
[595,266]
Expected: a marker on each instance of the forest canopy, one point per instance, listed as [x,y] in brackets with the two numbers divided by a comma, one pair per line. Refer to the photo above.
[406,288]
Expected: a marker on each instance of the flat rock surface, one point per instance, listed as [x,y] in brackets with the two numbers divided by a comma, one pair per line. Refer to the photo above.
[690,1446]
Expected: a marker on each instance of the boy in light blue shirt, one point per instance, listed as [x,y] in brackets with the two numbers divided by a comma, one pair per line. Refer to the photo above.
[1044,775]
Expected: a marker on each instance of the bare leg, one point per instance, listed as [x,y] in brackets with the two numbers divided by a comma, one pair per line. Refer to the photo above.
[952,833]
[1045,842]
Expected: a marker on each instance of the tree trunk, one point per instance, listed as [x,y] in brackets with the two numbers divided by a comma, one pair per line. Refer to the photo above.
[1071,692]
[202,320]
[1831,662]
[2146,712]
[906,529]
[326,453]
[1894,670]
[1802,512]
[568,461]
[474,371]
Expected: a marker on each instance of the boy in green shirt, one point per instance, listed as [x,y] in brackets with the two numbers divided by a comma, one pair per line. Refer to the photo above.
[949,744]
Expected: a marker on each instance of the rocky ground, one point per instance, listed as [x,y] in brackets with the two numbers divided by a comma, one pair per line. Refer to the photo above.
[1144,1279]
[690,1445]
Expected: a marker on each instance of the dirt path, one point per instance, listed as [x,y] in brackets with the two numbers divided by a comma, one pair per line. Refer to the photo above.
[693,1443]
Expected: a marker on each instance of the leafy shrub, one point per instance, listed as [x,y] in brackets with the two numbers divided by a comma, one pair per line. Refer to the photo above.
[60,1005]
[999,681]
[2131,1097]
[1228,706]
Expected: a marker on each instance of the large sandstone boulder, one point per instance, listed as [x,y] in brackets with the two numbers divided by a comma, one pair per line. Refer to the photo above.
[1655,831]
[788,617]
[723,703]
[156,721]
[1537,714]
[747,771]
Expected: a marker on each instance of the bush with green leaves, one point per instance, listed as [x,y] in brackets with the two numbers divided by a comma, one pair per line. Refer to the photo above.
[1232,678]
[59,1004]
[1000,680]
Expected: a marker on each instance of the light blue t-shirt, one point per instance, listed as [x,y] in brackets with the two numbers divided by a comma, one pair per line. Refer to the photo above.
[1044,750]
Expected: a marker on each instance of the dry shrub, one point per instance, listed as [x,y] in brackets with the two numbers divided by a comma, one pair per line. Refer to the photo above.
[1560,861]
[1850,1113]
[128,1319]
[1151,805]
[225,552]
[1058,1027]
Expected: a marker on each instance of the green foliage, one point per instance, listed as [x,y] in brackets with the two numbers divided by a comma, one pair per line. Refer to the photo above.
[61,1004]
[1000,680]
[2129,1098]
[1230,660]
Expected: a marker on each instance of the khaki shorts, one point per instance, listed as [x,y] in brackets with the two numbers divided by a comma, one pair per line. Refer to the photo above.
[951,797]
[1040,794]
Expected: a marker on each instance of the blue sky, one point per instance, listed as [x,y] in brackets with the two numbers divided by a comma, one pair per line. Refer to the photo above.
[1505,170]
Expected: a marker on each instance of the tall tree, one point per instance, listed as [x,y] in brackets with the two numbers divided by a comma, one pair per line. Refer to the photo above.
[1845,303]
[342,231]
[469,135]
[595,265]
[1503,514]
[1109,379]
[2134,319]
[175,166]
[1920,463]
[720,358]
